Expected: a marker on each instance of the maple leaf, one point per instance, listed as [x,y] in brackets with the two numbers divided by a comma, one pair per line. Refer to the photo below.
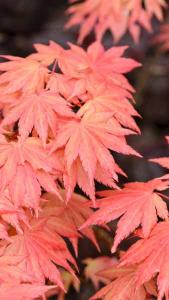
[71,89]
[10,214]
[121,108]
[47,54]
[41,250]
[40,111]
[154,7]
[86,142]
[98,94]
[94,266]
[66,218]
[23,74]
[115,16]
[9,271]
[96,63]
[152,256]
[22,291]
[26,162]
[138,203]
[122,285]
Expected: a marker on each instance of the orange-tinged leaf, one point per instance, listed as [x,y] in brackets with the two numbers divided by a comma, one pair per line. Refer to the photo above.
[86,142]
[115,16]
[66,218]
[22,291]
[47,54]
[122,285]
[41,249]
[40,111]
[68,281]
[28,162]
[138,203]
[22,74]
[94,266]
[97,64]
[152,259]
[62,113]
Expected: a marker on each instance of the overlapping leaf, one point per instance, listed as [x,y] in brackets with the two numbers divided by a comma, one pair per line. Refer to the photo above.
[77,104]
[86,142]
[97,66]
[95,265]
[66,218]
[69,281]
[40,111]
[22,74]
[47,54]
[138,203]
[40,249]
[29,163]
[116,16]
[22,291]
[123,285]
[152,256]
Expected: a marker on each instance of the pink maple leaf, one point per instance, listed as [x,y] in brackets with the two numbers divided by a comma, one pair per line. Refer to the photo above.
[41,249]
[40,111]
[86,143]
[122,285]
[151,258]
[66,218]
[28,162]
[132,204]
[116,16]
[22,74]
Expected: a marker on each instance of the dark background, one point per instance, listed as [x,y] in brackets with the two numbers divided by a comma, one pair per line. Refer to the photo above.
[24,22]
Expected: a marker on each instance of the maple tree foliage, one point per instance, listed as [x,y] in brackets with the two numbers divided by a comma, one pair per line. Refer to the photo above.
[86,83]
[64,112]
[58,106]
[116,16]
